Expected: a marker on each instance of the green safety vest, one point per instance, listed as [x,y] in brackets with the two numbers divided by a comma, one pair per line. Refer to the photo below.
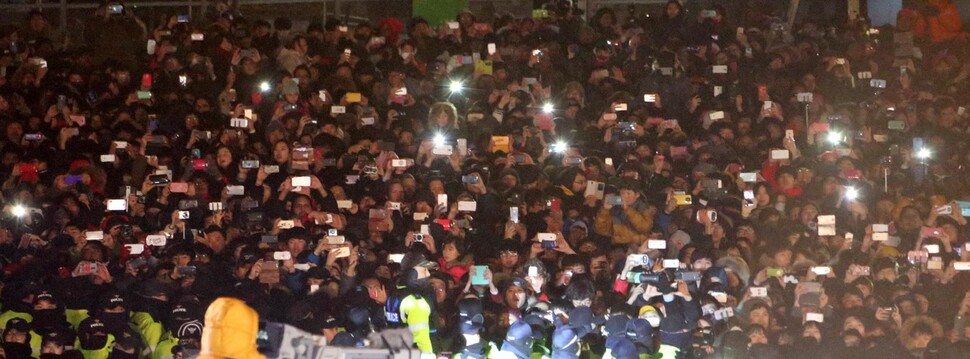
[76,316]
[150,331]
[164,348]
[6,316]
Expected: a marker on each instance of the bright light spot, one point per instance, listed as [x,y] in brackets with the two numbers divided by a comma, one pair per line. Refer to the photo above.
[834,137]
[439,140]
[851,193]
[547,108]
[923,153]
[264,86]
[559,147]
[19,211]
[455,86]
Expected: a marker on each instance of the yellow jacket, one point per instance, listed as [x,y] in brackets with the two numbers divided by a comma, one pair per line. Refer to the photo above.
[640,224]
[230,331]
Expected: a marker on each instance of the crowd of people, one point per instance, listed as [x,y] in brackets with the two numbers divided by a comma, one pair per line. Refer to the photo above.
[557,184]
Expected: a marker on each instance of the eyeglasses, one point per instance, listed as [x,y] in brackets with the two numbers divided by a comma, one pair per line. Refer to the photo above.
[509,254]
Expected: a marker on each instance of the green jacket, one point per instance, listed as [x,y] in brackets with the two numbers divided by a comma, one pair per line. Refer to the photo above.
[416,313]
[151,331]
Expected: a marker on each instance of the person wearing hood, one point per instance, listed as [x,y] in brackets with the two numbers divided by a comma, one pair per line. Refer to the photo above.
[628,223]
[917,333]
[230,331]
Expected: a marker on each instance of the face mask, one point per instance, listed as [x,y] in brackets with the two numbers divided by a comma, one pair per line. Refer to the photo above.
[93,342]
[46,318]
[653,318]
[405,55]
[114,322]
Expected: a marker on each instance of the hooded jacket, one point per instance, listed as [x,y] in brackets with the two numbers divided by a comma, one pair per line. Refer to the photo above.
[230,331]
[629,225]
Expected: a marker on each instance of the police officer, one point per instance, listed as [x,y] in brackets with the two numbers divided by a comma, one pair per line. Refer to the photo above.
[470,322]
[412,305]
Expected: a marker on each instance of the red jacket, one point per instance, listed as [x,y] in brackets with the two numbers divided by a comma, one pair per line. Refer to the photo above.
[941,27]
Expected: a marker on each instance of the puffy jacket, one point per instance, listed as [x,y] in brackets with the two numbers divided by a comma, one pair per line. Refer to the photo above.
[631,226]
[230,331]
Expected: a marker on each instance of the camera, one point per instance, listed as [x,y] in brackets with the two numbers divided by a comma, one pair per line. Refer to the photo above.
[660,280]
[687,276]
[418,237]
[183,214]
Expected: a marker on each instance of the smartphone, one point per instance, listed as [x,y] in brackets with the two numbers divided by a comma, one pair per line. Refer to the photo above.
[478,275]
[614,200]
[178,187]
[683,199]
[302,181]
[117,205]
[548,240]
[931,232]
[135,248]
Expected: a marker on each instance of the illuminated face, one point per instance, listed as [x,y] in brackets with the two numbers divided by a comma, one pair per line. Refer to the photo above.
[514,297]
[224,157]
[629,197]
[450,252]
[579,184]
[702,264]
[301,206]
[672,10]
[853,323]
[436,187]
[812,331]
[759,316]
[783,258]
[509,259]
[281,152]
